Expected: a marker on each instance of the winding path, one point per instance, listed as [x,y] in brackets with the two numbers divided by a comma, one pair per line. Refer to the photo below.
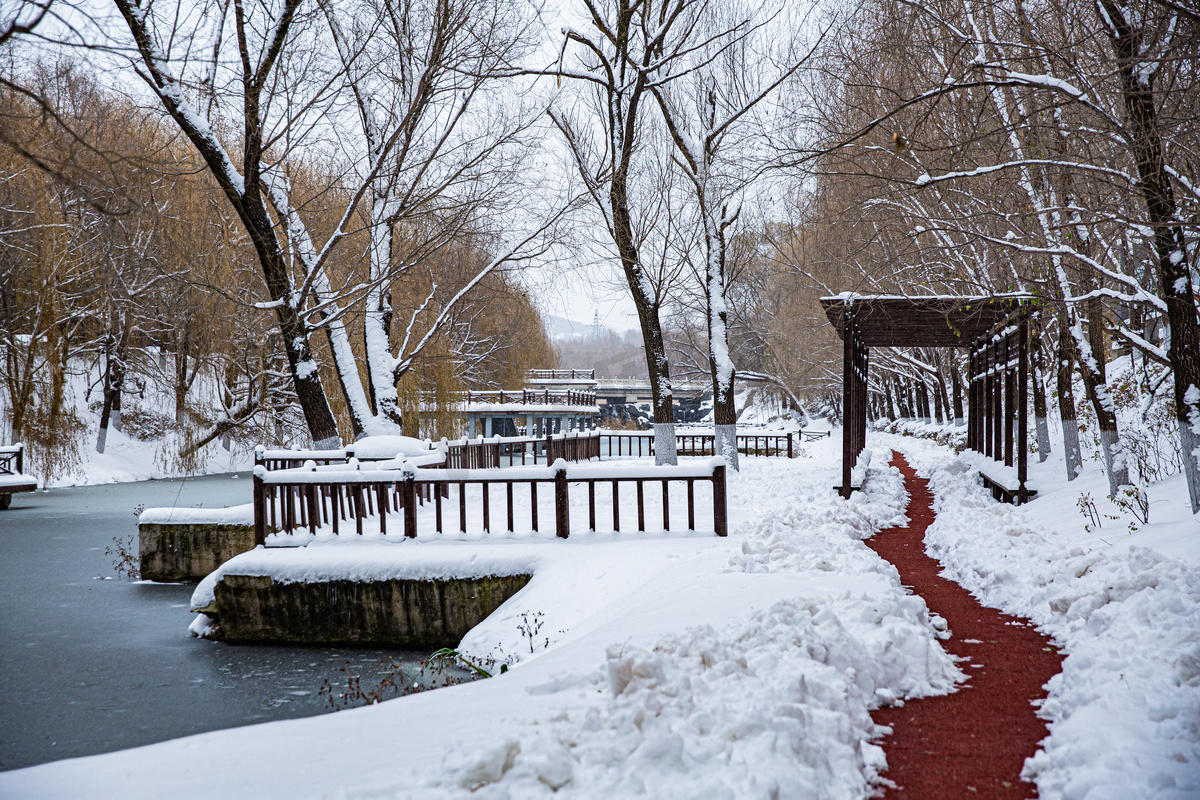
[973,743]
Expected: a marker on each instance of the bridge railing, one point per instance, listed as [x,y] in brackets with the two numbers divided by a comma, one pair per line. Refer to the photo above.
[310,497]
[562,375]
[528,397]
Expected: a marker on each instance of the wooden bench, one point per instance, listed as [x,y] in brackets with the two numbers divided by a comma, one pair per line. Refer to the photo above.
[12,479]
[1002,480]
[812,436]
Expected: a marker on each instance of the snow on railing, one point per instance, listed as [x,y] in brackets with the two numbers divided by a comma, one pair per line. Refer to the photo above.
[309,497]
[527,397]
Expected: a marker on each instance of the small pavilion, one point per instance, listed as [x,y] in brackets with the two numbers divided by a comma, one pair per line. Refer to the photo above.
[995,330]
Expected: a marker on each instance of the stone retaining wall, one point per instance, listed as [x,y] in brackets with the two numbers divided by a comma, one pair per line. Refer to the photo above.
[187,553]
[382,613]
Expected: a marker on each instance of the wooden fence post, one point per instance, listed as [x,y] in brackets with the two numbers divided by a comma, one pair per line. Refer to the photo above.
[260,509]
[790,435]
[720,507]
[562,514]
[410,505]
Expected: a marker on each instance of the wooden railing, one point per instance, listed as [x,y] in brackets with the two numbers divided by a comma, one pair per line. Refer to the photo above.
[311,497]
[289,459]
[697,444]
[12,459]
[502,451]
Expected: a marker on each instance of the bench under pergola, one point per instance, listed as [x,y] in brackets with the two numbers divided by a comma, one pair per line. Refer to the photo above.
[995,330]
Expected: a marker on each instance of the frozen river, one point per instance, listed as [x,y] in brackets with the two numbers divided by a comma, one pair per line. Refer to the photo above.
[89,665]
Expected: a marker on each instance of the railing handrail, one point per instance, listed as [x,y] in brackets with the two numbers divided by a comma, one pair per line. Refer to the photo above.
[526,397]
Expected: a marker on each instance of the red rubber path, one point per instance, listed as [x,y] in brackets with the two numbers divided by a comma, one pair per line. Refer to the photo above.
[973,743]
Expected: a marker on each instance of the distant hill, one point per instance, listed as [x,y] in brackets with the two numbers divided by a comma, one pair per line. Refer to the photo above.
[561,328]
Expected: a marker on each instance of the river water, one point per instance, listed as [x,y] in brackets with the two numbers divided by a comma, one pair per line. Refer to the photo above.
[91,663]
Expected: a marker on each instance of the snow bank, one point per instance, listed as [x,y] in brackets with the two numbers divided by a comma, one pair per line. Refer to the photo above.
[1125,711]
[776,706]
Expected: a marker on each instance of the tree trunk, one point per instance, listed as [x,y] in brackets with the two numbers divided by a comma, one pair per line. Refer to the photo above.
[114,379]
[1039,394]
[665,451]
[1090,359]
[181,374]
[1072,454]
[923,402]
[1169,247]
[719,359]
[244,193]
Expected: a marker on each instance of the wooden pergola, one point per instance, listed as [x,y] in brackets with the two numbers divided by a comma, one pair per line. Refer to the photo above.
[996,331]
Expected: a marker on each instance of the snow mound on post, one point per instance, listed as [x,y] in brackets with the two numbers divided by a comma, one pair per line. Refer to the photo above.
[375,447]
[1124,712]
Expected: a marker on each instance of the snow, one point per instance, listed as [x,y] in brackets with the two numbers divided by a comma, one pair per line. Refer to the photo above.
[234,515]
[668,665]
[16,479]
[686,665]
[388,446]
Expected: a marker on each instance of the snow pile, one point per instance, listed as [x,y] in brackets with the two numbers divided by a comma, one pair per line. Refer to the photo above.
[776,706]
[820,530]
[1125,711]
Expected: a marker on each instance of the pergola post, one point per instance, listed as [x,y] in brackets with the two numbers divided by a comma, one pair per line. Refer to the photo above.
[1023,410]
[849,456]
[1010,391]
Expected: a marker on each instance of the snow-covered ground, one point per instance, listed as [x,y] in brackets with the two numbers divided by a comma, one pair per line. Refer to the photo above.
[693,666]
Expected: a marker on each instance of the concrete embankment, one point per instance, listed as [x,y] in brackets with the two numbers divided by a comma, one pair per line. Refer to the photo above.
[378,613]
[379,593]
[186,552]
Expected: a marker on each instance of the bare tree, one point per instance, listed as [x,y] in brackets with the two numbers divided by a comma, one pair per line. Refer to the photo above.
[627,42]
[707,98]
